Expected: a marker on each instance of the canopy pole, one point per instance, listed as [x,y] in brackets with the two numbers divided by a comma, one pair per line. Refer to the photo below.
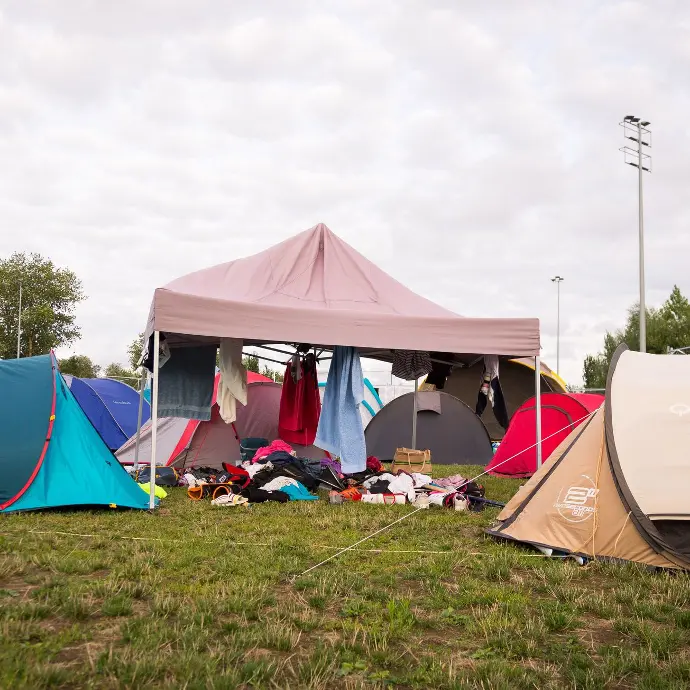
[142,385]
[537,398]
[154,417]
[414,416]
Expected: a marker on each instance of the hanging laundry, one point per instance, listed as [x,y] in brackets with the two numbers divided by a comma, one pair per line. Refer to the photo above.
[185,383]
[340,430]
[300,404]
[296,367]
[147,355]
[439,372]
[410,365]
[232,387]
[490,391]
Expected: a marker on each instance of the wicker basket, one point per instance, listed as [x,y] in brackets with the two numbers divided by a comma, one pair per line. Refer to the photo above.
[410,461]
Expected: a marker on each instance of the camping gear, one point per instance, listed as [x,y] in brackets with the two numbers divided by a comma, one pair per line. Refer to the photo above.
[51,455]
[517,385]
[617,487]
[111,406]
[449,429]
[560,414]
[165,476]
[409,460]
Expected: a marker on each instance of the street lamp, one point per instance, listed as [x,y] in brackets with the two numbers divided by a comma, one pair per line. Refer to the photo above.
[636,130]
[558,280]
[19,322]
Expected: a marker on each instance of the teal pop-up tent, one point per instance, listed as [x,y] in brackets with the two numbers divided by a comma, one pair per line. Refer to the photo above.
[50,454]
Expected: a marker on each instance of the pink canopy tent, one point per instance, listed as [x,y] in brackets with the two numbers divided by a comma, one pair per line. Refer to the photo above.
[315,288]
[193,443]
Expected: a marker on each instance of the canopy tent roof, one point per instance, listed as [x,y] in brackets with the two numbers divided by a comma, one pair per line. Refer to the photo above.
[314,288]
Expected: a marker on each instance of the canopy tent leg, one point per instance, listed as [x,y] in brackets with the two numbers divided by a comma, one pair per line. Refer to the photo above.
[154,418]
[414,415]
[142,385]
[537,398]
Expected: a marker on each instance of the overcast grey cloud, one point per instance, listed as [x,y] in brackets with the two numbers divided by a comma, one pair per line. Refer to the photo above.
[470,149]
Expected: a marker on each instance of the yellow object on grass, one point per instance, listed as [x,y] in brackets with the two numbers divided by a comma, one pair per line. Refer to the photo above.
[160,491]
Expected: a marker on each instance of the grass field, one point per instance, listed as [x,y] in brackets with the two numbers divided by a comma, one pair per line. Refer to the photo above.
[213,598]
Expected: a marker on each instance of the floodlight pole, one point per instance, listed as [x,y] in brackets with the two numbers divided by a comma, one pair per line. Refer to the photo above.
[643,310]
[628,122]
[558,280]
[19,322]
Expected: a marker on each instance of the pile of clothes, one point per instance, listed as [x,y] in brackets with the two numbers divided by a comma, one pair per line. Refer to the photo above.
[275,473]
[380,486]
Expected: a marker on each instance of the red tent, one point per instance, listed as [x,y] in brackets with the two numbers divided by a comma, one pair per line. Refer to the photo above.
[560,414]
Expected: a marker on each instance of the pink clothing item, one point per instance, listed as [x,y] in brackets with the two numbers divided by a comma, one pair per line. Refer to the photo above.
[453,481]
[264,452]
[315,288]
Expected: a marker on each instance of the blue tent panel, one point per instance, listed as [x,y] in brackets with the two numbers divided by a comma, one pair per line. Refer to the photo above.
[112,407]
[26,398]
[78,469]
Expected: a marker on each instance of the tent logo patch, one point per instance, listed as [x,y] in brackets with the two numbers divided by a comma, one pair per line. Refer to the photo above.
[679,409]
[576,503]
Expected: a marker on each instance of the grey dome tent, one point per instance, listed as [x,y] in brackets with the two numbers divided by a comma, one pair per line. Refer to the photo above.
[445,425]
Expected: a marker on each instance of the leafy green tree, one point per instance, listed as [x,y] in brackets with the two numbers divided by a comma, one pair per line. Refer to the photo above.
[136,347]
[49,297]
[120,373]
[80,366]
[272,374]
[667,328]
[251,363]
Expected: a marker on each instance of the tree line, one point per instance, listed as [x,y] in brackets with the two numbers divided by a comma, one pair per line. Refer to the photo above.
[668,328]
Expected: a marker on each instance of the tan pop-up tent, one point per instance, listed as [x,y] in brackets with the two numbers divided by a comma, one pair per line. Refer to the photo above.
[617,487]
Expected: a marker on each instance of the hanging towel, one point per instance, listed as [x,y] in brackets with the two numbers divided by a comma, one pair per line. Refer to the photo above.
[340,430]
[410,365]
[185,383]
[232,387]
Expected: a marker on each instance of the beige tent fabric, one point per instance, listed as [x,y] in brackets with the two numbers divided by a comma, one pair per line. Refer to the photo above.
[577,508]
[650,412]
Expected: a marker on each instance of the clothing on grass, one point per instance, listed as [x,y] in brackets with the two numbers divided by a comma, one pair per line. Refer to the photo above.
[299,492]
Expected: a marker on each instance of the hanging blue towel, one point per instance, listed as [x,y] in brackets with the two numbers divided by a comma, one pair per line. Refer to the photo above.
[340,429]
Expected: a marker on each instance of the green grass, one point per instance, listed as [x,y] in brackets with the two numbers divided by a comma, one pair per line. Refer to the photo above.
[214,598]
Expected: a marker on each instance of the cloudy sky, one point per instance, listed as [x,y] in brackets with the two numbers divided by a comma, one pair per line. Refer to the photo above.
[469,148]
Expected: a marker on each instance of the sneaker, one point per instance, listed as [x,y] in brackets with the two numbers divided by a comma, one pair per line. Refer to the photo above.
[334,498]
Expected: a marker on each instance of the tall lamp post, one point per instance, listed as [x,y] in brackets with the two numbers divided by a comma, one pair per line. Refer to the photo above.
[558,280]
[635,129]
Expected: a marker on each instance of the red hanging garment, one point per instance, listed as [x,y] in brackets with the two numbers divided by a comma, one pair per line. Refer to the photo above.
[300,405]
